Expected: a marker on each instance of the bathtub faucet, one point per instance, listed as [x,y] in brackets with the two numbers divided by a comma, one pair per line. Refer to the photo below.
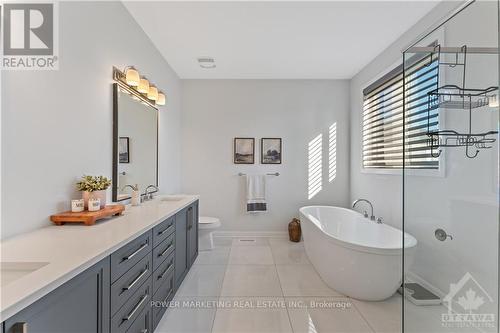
[372,217]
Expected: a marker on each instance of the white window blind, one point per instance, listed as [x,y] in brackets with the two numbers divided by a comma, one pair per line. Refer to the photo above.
[383,121]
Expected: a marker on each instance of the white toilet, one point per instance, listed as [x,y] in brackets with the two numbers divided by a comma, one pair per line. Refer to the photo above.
[206,226]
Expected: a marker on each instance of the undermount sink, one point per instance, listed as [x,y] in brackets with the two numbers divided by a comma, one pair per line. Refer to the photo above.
[174,198]
[12,271]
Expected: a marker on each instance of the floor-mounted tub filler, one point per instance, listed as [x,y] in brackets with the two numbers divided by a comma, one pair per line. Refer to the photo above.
[353,255]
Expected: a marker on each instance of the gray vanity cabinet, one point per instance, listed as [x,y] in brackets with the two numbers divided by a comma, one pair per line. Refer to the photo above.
[181,262]
[186,241]
[116,294]
[192,233]
[81,305]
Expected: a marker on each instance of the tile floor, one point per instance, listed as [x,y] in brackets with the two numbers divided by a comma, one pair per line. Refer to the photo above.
[269,285]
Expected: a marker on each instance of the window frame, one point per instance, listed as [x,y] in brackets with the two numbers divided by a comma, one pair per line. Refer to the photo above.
[439,172]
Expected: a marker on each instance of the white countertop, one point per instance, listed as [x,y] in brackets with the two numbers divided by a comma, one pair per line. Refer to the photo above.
[72,248]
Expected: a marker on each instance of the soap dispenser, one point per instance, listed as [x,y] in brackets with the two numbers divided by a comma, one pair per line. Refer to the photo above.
[136,196]
[135,200]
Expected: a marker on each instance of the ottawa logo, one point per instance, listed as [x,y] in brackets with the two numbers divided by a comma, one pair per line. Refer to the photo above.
[466,302]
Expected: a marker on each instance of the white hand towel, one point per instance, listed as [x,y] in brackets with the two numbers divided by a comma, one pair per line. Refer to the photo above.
[256,193]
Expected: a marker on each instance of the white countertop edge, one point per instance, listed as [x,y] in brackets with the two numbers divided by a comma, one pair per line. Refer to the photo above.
[32,297]
[47,289]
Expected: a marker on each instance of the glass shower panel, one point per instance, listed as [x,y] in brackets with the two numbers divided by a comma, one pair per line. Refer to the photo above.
[451,116]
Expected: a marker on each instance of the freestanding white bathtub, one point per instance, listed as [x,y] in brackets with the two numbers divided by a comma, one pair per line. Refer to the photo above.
[353,255]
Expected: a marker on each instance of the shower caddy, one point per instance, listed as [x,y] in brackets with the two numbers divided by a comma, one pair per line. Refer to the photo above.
[455,97]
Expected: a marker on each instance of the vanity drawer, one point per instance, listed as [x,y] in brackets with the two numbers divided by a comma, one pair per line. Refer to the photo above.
[164,295]
[162,251]
[131,310]
[130,282]
[163,272]
[163,230]
[126,257]
[143,322]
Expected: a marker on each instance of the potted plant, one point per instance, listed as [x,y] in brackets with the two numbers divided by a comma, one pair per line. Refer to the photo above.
[94,187]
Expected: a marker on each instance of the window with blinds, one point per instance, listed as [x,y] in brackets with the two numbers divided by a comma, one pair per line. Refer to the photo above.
[383,118]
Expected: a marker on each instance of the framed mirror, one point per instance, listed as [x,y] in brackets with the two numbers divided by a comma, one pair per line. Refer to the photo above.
[135,143]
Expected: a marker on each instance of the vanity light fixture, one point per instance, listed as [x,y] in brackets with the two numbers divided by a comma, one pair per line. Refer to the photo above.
[161,98]
[132,76]
[131,82]
[153,93]
[143,86]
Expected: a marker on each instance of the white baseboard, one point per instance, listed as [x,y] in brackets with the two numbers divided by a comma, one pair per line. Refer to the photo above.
[273,234]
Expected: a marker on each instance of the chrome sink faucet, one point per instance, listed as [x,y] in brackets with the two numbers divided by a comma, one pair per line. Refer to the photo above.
[372,217]
[149,195]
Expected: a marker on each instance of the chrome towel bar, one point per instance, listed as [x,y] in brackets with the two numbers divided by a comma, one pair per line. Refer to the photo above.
[267,174]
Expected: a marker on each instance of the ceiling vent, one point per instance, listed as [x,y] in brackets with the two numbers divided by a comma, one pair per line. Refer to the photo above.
[206,62]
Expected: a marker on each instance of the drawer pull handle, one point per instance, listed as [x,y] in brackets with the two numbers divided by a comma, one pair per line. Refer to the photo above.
[165,271]
[165,230]
[130,256]
[190,218]
[144,330]
[166,250]
[166,298]
[168,295]
[134,310]
[130,286]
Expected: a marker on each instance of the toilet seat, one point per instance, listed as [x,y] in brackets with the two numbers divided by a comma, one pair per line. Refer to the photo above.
[207,222]
[206,225]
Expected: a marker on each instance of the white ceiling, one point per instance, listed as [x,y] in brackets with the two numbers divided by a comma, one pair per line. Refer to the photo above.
[275,40]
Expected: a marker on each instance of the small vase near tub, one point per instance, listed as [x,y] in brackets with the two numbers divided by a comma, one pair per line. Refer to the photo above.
[294,231]
[101,195]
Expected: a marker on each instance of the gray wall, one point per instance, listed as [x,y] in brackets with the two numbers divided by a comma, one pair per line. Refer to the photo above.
[216,111]
[383,190]
[463,200]
[57,125]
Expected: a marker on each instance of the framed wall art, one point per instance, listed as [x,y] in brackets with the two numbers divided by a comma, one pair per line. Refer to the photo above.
[123,149]
[270,151]
[244,151]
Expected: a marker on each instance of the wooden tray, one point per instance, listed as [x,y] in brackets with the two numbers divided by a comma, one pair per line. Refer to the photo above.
[88,218]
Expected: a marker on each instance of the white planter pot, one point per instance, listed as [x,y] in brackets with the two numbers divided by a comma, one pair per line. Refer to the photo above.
[101,195]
